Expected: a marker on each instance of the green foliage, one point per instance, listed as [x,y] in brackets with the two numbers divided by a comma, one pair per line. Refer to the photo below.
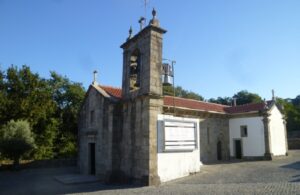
[242,97]
[68,97]
[16,140]
[296,101]
[67,145]
[50,105]
[45,139]
[292,112]
[168,90]
[180,92]
[222,100]
[245,97]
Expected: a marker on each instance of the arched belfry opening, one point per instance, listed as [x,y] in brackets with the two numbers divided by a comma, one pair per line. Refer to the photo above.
[135,68]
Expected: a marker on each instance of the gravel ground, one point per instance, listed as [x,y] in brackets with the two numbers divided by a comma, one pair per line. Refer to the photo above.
[280,176]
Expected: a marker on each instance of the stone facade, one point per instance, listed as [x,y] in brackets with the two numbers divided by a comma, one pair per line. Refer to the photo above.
[214,139]
[118,134]
[96,127]
[214,133]
[125,131]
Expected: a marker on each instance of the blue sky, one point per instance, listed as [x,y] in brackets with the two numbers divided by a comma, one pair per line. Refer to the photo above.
[220,46]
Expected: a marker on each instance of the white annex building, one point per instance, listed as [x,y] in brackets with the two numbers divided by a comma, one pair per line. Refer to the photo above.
[136,134]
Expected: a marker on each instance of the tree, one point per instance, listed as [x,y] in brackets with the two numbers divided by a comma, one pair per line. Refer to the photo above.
[245,97]
[296,101]
[51,107]
[29,97]
[242,97]
[180,92]
[3,98]
[68,97]
[292,112]
[222,100]
[16,140]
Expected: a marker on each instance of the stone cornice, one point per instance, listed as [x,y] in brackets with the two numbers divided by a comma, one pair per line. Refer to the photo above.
[141,33]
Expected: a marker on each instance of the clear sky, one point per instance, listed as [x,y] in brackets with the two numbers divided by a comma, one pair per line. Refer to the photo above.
[220,46]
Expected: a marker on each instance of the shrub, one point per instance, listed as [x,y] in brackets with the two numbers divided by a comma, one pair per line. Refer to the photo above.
[16,140]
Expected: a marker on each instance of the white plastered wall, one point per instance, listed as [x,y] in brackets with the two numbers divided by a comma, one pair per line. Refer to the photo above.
[277,132]
[173,165]
[253,145]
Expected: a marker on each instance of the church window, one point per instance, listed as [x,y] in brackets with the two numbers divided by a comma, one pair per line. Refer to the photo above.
[244,131]
[134,71]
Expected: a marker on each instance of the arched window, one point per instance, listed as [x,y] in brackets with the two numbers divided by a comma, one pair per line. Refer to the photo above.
[135,66]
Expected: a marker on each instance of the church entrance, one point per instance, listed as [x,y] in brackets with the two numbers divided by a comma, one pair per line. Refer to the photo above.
[92,158]
[219,150]
[238,148]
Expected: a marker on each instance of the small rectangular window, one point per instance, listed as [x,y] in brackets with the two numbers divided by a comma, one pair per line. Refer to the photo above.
[244,131]
[92,116]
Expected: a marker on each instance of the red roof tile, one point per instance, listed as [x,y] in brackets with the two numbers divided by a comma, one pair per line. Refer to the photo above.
[193,104]
[246,108]
[113,91]
[196,105]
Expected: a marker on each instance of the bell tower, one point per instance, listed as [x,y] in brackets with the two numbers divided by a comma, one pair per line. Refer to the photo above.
[141,102]
[142,61]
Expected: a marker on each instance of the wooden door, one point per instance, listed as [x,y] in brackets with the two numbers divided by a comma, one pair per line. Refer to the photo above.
[238,149]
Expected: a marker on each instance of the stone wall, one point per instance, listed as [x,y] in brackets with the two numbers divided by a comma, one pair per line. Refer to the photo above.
[98,131]
[149,44]
[125,132]
[137,146]
[213,130]
[141,105]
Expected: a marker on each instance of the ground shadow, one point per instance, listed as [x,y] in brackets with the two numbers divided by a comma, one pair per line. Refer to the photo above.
[231,161]
[295,166]
[49,163]
[43,181]
[92,187]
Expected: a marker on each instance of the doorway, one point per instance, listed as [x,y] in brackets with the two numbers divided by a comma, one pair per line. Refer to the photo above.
[92,158]
[219,150]
[238,148]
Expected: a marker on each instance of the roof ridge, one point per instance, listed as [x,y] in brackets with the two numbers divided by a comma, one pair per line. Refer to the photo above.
[110,87]
[197,101]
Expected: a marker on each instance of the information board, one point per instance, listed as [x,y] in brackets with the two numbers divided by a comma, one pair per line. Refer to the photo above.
[180,136]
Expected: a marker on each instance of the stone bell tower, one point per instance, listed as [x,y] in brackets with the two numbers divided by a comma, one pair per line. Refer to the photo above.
[142,102]
[142,60]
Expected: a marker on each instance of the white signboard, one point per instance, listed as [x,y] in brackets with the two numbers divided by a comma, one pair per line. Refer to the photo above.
[180,136]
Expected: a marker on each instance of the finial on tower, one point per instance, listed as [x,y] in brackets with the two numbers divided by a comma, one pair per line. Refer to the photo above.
[153,13]
[130,33]
[95,77]
[141,21]
[154,21]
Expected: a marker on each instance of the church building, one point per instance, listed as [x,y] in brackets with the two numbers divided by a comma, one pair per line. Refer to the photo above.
[135,134]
